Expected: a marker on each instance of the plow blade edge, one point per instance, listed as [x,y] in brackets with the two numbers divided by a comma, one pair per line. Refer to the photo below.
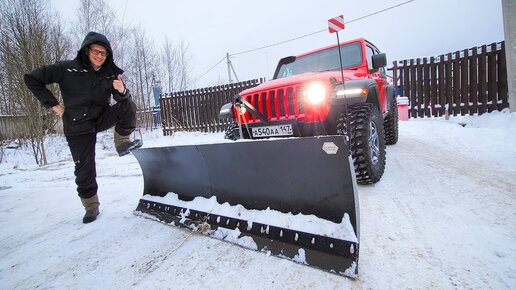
[296,177]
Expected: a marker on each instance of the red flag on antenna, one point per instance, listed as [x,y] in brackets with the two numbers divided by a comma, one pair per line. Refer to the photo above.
[336,24]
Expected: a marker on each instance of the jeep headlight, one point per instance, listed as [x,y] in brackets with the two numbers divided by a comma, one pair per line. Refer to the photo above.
[315,93]
[351,92]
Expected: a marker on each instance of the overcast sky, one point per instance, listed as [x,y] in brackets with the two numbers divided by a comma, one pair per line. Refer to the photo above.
[212,28]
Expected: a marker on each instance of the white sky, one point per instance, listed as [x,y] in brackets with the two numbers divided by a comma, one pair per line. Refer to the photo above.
[212,28]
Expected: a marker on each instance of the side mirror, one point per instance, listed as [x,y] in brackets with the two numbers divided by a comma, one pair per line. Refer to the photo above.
[379,60]
[287,60]
[283,61]
[226,112]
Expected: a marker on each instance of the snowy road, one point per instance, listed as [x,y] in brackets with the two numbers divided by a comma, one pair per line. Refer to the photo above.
[445,223]
[442,217]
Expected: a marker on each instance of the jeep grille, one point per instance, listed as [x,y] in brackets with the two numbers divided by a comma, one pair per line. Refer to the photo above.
[277,104]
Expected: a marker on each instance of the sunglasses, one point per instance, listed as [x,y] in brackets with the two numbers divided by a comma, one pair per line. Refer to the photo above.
[98,52]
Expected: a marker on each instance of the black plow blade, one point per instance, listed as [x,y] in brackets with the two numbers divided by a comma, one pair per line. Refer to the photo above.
[293,198]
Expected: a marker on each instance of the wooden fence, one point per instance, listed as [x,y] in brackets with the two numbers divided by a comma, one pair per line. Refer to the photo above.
[149,119]
[16,127]
[13,127]
[198,110]
[467,82]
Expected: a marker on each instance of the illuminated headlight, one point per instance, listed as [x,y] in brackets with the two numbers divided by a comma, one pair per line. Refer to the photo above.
[315,93]
[352,92]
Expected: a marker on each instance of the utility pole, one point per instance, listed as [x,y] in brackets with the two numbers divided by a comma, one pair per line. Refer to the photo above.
[230,69]
[509,26]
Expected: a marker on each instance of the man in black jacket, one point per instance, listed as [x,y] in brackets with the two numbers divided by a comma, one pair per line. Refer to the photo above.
[87,84]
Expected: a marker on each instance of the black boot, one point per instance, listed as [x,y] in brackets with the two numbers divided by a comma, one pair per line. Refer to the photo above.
[126,148]
[124,145]
[91,205]
[90,215]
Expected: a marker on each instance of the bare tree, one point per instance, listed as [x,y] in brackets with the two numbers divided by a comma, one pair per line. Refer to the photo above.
[92,15]
[5,101]
[142,69]
[169,65]
[30,37]
[176,66]
[98,16]
[184,60]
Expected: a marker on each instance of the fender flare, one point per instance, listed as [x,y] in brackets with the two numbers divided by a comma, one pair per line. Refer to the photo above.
[390,97]
[373,94]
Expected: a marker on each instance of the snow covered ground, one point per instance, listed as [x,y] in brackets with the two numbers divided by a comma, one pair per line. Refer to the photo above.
[442,217]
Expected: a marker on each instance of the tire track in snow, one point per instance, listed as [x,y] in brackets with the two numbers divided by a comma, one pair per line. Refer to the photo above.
[434,217]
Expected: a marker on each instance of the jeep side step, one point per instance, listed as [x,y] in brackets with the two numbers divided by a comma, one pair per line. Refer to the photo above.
[218,188]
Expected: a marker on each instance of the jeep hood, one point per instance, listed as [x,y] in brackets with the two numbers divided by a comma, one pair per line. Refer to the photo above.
[305,78]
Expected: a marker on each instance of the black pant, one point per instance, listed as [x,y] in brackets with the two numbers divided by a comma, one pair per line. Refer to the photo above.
[121,115]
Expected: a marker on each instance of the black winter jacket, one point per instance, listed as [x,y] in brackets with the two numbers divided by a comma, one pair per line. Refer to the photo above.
[86,92]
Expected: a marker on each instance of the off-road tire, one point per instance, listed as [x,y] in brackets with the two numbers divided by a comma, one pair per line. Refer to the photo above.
[232,132]
[391,125]
[366,125]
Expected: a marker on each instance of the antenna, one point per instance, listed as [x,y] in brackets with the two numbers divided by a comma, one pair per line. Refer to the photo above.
[335,25]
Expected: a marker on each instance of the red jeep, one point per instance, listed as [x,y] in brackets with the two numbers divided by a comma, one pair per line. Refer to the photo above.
[310,95]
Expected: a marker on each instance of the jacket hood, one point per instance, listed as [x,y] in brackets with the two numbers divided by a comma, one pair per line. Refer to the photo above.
[95,38]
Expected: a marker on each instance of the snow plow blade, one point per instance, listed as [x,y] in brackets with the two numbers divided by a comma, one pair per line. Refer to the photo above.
[295,198]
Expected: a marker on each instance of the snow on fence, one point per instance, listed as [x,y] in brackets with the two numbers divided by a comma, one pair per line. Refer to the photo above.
[198,110]
[467,82]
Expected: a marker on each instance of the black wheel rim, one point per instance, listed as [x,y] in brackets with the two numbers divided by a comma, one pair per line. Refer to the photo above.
[374,143]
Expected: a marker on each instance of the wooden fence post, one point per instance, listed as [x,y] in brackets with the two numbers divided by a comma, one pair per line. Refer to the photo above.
[503,84]
[473,78]
[470,81]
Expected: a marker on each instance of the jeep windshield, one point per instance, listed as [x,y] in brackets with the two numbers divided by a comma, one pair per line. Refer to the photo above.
[324,60]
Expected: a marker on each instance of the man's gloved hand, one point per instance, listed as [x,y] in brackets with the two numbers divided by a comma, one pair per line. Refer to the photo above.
[118,84]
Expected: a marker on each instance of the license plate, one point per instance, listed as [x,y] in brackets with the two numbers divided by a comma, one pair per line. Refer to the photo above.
[271,131]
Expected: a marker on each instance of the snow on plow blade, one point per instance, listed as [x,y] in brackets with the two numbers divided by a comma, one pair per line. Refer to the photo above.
[294,198]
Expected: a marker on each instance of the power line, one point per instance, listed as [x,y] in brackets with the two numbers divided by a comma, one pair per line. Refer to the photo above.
[306,35]
[378,12]
[278,43]
[210,69]
[322,30]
